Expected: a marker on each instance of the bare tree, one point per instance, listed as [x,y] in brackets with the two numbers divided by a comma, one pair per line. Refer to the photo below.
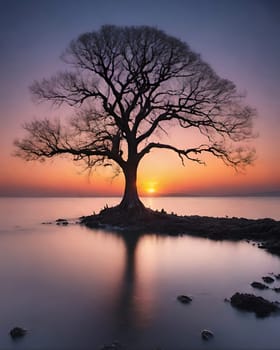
[129,83]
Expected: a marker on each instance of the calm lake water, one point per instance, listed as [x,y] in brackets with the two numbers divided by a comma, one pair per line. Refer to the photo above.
[78,288]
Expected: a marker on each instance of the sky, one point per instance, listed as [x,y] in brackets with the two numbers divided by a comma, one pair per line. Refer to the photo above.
[239,39]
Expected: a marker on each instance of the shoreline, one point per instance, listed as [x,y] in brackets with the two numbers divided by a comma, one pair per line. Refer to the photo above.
[264,231]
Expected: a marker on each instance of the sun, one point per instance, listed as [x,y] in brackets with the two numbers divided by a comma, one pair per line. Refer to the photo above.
[150,187]
[151,190]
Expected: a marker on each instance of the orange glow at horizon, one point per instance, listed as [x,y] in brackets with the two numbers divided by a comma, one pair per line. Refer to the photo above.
[62,177]
[149,187]
[160,173]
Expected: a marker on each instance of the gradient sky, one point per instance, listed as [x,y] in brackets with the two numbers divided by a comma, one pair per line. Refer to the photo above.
[240,39]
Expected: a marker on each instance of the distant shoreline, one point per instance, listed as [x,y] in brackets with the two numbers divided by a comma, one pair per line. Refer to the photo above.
[249,195]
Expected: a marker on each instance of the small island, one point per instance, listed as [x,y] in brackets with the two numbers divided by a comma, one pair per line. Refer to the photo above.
[264,231]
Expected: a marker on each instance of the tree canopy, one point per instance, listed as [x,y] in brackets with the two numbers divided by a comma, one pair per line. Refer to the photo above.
[126,84]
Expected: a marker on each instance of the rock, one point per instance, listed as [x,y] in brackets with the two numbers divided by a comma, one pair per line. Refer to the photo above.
[272,245]
[249,302]
[277,289]
[268,279]
[226,300]
[206,334]
[259,285]
[184,299]
[17,332]
[277,276]
[62,222]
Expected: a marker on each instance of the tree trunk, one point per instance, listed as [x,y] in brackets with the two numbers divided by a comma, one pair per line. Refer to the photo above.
[130,200]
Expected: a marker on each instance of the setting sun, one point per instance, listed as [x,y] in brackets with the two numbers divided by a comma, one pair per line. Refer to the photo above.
[150,187]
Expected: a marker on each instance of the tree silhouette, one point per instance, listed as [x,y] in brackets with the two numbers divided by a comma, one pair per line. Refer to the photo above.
[127,86]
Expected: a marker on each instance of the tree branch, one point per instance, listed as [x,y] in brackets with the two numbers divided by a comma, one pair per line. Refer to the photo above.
[235,157]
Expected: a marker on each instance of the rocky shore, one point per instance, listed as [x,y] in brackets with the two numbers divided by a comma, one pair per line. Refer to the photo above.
[266,232]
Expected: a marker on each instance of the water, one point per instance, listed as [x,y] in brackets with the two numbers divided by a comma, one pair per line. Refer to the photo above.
[76,288]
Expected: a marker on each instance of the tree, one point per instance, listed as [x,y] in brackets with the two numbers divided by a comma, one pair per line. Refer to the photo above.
[127,84]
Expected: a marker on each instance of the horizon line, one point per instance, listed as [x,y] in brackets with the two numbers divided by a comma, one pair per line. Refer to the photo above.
[249,194]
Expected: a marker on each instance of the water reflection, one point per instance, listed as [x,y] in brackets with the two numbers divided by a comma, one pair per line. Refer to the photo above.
[133,303]
[125,311]
[81,288]
[156,269]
